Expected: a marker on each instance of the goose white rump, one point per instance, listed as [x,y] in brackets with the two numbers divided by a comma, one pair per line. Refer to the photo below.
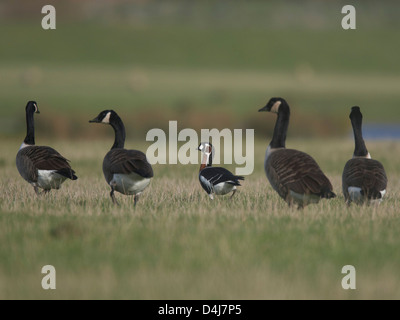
[49,179]
[224,188]
[356,195]
[129,184]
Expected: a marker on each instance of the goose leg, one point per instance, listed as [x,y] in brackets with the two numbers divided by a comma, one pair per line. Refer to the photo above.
[135,200]
[36,190]
[233,193]
[114,200]
[44,192]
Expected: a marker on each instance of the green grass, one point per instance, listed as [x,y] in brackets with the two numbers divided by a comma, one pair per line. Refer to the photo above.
[208,64]
[177,244]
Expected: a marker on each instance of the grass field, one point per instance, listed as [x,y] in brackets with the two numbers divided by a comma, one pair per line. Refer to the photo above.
[206,64]
[177,244]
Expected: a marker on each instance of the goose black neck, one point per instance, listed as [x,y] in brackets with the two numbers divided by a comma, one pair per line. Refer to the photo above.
[281,128]
[30,128]
[119,130]
[360,147]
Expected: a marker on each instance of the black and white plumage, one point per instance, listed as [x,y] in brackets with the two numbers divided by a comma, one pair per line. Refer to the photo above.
[364,179]
[41,166]
[126,171]
[215,180]
[293,174]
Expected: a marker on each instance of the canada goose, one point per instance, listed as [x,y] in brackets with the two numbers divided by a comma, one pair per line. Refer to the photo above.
[293,174]
[43,167]
[126,171]
[364,179]
[215,180]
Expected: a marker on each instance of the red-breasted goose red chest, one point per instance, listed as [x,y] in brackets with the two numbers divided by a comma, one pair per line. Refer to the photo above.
[293,174]
[215,180]
[364,179]
[126,171]
[41,166]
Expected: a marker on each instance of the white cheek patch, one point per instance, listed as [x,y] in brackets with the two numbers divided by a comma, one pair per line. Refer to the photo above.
[275,107]
[106,118]
[36,108]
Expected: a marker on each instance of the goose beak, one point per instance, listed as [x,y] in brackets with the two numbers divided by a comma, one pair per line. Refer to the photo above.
[95,120]
[263,109]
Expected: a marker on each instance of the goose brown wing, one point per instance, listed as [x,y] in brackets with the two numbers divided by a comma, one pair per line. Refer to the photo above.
[367,174]
[35,158]
[297,171]
[127,161]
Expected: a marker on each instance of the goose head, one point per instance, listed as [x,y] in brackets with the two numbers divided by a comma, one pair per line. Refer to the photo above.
[275,105]
[105,117]
[32,107]
[207,148]
[356,113]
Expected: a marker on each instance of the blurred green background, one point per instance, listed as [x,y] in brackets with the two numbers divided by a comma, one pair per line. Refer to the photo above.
[207,64]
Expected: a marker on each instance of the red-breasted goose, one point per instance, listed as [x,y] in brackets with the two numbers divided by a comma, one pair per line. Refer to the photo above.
[215,180]
[126,171]
[293,174]
[364,180]
[43,167]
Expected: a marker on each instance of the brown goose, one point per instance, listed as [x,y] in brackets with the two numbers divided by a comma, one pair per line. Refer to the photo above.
[43,167]
[126,171]
[293,174]
[364,179]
